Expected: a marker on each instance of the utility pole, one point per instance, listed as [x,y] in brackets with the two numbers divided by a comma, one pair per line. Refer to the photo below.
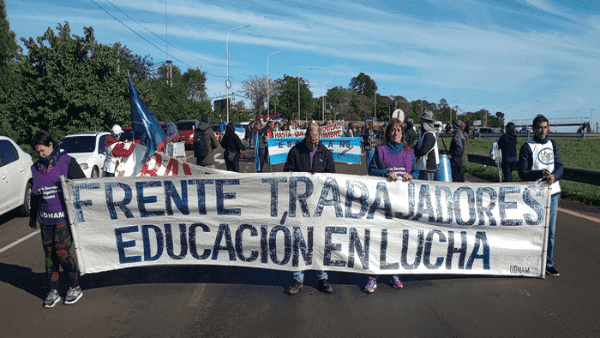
[170,72]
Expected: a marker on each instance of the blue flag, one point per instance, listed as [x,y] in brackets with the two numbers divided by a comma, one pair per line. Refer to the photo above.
[144,123]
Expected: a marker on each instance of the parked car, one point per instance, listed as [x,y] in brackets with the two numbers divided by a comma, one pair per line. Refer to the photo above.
[15,177]
[478,132]
[87,148]
[186,130]
[526,130]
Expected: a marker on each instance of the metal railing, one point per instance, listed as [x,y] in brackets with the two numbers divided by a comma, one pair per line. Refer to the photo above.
[570,174]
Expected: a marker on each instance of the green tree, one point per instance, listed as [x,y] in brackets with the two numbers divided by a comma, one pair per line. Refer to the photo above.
[71,83]
[11,122]
[364,85]
[287,89]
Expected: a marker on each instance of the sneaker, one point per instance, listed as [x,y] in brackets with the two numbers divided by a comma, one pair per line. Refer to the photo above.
[52,299]
[73,295]
[295,287]
[324,286]
[371,285]
[396,282]
[552,272]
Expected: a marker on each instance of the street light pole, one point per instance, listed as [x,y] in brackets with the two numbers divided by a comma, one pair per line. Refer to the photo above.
[227,82]
[323,100]
[268,86]
[299,91]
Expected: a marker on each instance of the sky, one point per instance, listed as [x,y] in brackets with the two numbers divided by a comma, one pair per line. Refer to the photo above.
[522,57]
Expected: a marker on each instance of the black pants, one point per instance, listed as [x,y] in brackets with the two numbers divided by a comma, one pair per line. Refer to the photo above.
[232,165]
[507,168]
[458,170]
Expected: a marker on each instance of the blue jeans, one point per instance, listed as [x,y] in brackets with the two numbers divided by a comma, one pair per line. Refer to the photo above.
[370,153]
[299,275]
[552,229]
[507,168]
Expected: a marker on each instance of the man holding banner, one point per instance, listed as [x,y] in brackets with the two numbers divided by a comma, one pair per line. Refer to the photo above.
[539,159]
[310,156]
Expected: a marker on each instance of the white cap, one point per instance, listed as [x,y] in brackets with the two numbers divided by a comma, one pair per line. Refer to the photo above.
[116,129]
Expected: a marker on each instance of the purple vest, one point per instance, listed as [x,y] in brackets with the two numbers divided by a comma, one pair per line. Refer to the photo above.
[397,163]
[50,209]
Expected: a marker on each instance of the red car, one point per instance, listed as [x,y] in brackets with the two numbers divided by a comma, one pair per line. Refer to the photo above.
[186,130]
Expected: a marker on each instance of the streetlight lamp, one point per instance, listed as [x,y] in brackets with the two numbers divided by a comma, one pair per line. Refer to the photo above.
[299,91]
[323,100]
[227,82]
[268,87]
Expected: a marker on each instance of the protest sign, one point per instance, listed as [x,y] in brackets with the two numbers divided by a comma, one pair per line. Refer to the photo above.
[299,221]
[331,130]
[344,149]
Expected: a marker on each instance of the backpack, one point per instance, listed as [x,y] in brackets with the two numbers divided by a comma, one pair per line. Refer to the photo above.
[201,149]
[495,153]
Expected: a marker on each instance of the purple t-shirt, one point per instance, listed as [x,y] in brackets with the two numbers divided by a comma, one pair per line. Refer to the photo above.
[398,163]
[50,209]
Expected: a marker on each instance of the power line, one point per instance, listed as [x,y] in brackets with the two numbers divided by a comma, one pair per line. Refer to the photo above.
[149,31]
[136,33]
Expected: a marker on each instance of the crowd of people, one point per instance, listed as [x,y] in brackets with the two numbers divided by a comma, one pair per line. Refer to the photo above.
[403,154]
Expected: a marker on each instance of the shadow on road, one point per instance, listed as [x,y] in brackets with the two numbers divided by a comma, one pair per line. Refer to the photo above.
[35,284]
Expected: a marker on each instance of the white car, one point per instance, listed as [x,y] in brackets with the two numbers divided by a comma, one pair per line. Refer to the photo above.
[15,177]
[87,148]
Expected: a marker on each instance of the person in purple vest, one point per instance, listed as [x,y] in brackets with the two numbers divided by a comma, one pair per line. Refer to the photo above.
[394,159]
[48,208]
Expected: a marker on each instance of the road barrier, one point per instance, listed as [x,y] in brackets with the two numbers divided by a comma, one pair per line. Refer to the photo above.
[570,174]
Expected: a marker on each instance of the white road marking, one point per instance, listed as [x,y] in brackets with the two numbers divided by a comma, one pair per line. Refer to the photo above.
[20,240]
[197,296]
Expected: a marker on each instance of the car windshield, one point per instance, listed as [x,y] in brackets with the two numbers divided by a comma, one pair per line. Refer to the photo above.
[186,125]
[78,144]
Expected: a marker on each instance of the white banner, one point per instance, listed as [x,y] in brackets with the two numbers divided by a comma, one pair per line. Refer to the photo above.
[298,221]
[344,149]
[331,130]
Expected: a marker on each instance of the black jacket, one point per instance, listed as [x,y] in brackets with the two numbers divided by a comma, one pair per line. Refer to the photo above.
[298,159]
[232,143]
[411,136]
[429,141]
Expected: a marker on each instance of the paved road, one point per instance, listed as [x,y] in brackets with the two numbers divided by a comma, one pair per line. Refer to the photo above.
[238,302]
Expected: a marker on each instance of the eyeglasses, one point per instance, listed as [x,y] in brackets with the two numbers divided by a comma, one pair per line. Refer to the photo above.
[313,143]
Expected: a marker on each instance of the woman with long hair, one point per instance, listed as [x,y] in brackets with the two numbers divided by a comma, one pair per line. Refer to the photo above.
[394,160]
[233,147]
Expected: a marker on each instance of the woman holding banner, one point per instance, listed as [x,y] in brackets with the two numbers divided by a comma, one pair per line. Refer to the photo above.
[48,208]
[394,160]
[233,147]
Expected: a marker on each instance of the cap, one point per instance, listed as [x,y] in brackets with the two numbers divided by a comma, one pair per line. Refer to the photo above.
[116,129]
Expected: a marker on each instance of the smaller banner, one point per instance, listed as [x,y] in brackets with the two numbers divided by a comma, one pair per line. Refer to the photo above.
[344,149]
[332,130]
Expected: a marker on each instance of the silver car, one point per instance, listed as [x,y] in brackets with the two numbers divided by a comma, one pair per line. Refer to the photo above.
[15,177]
